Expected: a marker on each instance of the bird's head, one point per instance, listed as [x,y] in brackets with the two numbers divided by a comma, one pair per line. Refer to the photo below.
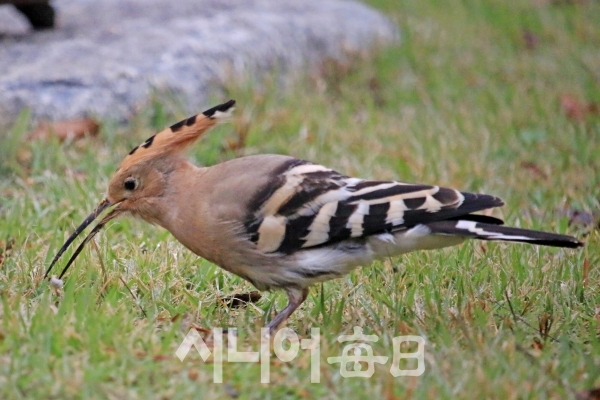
[143,172]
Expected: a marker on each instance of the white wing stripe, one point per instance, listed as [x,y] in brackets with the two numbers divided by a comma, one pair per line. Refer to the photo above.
[282,195]
[431,204]
[271,233]
[306,169]
[319,229]
[355,221]
[398,197]
[395,214]
[332,196]
[374,188]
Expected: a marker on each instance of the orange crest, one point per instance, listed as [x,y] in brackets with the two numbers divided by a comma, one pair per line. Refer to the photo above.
[178,136]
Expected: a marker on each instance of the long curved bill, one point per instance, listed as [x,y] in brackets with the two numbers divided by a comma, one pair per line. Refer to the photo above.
[104,204]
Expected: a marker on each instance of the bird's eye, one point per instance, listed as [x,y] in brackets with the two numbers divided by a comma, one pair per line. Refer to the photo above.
[130,184]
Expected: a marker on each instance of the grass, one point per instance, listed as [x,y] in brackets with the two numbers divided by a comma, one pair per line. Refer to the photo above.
[470,99]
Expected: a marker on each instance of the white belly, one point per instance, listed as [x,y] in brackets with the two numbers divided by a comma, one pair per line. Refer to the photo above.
[325,263]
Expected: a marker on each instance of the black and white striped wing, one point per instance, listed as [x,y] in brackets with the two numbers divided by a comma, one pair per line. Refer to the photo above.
[307,205]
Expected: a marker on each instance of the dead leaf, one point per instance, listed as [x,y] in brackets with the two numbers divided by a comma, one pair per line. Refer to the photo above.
[545,322]
[483,247]
[7,245]
[65,130]
[201,329]
[192,374]
[586,271]
[534,169]
[592,394]
[139,353]
[576,109]
[537,344]
[5,248]
[530,39]
[241,299]
[572,107]
[171,318]
[577,217]
[403,328]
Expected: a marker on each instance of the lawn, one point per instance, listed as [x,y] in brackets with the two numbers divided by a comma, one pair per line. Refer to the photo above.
[486,96]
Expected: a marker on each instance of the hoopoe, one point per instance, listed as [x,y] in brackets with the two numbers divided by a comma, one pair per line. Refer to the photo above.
[284,223]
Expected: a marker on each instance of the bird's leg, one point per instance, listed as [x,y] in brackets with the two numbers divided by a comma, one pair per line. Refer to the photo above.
[296,297]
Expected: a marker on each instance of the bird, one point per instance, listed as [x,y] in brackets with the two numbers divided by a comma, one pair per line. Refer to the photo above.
[280,222]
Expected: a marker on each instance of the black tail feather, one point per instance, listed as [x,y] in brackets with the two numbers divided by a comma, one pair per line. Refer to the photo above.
[484,231]
[479,218]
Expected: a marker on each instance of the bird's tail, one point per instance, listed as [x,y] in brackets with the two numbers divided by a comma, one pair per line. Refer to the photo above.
[486,231]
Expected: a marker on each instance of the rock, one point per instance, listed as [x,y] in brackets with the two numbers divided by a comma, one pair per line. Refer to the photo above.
[105,58]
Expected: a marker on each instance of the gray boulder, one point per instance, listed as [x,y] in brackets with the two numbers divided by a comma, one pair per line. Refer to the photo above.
[105,57]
